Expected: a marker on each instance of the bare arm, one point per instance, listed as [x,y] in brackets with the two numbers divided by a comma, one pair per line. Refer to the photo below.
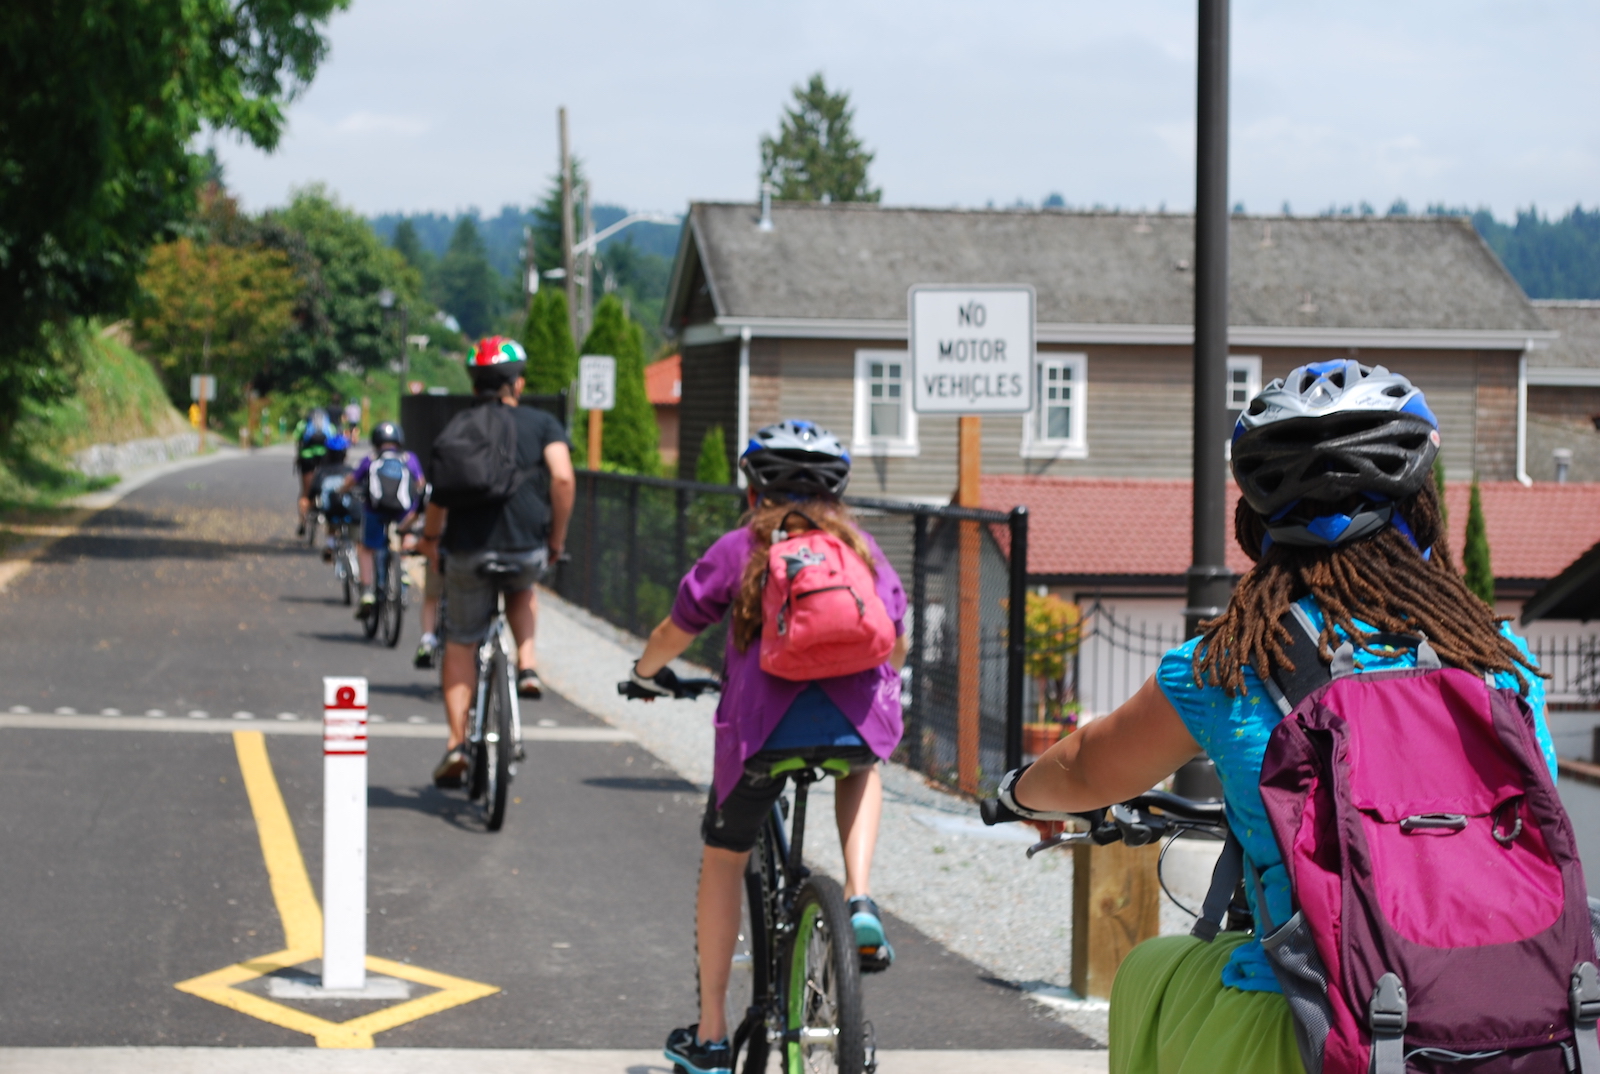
[1110,759]
[563,491]
[433,521]
[897,655]
[667,642]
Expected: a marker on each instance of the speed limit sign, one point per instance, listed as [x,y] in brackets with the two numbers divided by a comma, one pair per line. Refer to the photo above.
[597,382]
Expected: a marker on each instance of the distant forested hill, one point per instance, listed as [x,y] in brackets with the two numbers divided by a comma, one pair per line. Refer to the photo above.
[1549,258]
[502,234]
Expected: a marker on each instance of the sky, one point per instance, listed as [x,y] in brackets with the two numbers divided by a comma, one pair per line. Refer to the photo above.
[426,106]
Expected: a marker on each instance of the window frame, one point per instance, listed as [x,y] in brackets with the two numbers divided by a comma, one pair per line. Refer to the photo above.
[861,442]
[1251,364]
[1075,446]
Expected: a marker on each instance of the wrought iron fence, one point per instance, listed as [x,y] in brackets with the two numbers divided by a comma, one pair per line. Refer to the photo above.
[632,538]
[1116,656]
[1573,664]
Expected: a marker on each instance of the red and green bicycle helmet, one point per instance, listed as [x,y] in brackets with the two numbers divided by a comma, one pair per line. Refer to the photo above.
[497,361]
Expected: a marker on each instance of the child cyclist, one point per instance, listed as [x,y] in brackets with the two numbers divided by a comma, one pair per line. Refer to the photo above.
[391,484]
[1338,510]
[796,474]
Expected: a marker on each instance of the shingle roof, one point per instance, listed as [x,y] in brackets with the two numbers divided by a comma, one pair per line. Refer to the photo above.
[663,381]
[1095,526]
[1579,325]
[856,261]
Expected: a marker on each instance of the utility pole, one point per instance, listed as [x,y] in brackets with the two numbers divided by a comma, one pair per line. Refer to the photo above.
[568,276]
[1210,584]
[585,265]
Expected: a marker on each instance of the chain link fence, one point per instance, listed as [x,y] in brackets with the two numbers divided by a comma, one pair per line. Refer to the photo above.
[632,538]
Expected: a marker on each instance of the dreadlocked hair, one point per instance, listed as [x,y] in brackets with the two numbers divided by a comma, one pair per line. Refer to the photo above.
[791,516]
[1382,580]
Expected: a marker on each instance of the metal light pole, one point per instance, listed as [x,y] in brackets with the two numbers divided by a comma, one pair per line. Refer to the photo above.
[567,276]
[1209,581]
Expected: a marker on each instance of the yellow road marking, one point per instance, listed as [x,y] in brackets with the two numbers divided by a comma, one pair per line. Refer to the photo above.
[302,929]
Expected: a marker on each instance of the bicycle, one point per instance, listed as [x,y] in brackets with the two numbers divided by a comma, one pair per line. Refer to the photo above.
[391,590]
[345,565]
[494,725]
[796,940]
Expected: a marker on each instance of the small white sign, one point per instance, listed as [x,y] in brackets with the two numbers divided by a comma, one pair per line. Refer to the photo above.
[202,386]
[344,832]
[597,382]
[972,348]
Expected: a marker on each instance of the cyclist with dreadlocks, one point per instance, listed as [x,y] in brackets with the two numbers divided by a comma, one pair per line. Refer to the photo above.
[1339,513]
[796,473]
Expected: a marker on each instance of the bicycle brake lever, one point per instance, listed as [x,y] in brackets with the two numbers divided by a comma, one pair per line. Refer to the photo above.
[1058,840]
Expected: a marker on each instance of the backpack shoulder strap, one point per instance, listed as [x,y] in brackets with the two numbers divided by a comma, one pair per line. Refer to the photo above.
[1288,688]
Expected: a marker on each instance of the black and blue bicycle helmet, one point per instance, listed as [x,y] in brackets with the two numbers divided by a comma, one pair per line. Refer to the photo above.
[798,458]
[387,432]
[1328,433]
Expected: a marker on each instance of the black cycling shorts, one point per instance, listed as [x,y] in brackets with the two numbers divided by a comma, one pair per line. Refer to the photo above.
[737,824]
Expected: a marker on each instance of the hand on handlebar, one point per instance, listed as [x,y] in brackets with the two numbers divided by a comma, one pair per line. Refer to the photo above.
[664,683]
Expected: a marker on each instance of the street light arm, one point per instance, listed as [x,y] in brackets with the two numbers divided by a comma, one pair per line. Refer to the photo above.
[593,241]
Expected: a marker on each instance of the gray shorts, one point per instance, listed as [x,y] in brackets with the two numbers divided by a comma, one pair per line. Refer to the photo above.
[470,594]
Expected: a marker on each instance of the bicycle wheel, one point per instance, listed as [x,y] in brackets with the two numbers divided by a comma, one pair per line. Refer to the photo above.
[750,984]
[497,745]
[349,570]
[391,611]
[311,529]
[369,622]
[822,996]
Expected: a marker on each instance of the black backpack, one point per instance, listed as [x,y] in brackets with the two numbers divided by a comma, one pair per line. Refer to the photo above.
[475,458]
[389,484]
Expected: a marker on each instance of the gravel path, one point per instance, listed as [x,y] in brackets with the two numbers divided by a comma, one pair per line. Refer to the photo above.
[967,886]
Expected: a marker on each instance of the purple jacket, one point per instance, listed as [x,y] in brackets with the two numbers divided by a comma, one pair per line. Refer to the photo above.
[752,701]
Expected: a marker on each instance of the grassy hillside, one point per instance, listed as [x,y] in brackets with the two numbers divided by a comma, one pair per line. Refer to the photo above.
[118,398]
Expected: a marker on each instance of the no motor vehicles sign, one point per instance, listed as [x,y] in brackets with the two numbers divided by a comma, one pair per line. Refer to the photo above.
[972,348]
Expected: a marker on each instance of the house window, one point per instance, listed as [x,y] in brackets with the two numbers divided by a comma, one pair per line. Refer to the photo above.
[885,424]
[1244,381]
[1057,425]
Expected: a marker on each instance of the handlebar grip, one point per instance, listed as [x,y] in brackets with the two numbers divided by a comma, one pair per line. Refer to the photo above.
[994,812]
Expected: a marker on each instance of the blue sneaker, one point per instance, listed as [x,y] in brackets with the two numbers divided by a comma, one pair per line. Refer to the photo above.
[876,953]
[691,1055]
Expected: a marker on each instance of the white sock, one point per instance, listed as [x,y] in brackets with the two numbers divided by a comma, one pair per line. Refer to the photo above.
[430,640]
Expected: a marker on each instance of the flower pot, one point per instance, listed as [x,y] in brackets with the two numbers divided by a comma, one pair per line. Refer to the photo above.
[1038,737]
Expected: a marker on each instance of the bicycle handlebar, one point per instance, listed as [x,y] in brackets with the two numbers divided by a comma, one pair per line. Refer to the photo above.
[688,689]
[1136,822]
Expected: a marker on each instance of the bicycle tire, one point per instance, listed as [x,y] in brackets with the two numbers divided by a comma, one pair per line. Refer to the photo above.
[350,568]
[311,529]
[822,986]
[374,616]
[391,612]
[497,745]
[756,923]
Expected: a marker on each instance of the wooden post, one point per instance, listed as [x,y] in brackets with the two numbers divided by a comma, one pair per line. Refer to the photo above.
[201,447]
[969,493]
[597,421]
[1116,905]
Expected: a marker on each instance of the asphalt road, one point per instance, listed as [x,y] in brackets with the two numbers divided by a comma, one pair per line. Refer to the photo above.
[134,860]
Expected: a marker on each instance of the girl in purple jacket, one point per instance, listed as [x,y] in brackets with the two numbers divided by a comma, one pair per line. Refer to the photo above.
[792,468]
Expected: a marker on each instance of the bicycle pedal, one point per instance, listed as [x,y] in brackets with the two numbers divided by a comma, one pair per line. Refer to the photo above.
[521,754]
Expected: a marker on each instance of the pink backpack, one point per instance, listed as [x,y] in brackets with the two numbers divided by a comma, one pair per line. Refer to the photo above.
[821,613]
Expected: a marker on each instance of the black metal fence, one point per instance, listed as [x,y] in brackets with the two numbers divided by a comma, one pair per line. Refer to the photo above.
[632,539]
[1573,664]
[1116,656]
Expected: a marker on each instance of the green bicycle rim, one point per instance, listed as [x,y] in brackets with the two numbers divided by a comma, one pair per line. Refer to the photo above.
[797,980]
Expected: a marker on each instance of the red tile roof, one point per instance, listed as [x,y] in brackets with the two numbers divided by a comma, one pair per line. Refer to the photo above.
[663,381]
[1109,526]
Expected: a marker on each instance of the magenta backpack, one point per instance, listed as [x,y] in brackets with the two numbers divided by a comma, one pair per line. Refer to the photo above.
[1440,917]
[821,613]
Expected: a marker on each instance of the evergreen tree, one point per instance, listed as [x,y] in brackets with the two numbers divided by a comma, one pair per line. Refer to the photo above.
[409,244]
[816,155]
[711,465]
[630,440]
[1475,556]
[547,219]
[467,285]
[552,358]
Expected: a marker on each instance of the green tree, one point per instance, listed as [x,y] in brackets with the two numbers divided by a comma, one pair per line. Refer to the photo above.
[217,309]
[547,219]
[466,283]
[631,439]
[1475,556]
[100,102]
[340,324]
[816,155]
[409,245]
[547,337]
[711,465]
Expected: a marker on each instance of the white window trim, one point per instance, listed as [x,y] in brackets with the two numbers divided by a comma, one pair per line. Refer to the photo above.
[1078,446]
[860,442]
[1251,364]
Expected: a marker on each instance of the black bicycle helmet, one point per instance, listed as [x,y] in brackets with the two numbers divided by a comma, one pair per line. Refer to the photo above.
[387,432]
[1328,432]
[798,458]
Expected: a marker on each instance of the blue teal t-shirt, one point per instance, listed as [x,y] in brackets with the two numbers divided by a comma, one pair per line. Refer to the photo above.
[813,720]
[1234,731]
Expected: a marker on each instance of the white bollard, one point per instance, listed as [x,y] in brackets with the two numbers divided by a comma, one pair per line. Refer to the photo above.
[344,833]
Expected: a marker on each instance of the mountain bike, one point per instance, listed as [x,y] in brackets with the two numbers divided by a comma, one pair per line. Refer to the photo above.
[391,590]
[345,565]
[494,725]
[795,943]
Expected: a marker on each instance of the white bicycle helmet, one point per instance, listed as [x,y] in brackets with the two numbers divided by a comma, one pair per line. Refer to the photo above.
[1325,433]
[796,457]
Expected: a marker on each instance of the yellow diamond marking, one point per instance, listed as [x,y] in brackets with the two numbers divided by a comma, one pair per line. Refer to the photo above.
[302,928]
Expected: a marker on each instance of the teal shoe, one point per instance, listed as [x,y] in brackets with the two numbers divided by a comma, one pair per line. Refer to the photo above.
[876,953]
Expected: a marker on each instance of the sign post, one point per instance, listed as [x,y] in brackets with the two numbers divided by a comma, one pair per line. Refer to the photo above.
[344,833]
[202,389]
[597,393]
[971,354]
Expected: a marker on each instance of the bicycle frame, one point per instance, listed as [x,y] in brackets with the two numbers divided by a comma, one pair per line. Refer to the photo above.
[499,635]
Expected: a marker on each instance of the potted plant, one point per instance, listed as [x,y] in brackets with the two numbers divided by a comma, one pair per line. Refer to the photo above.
[1054,632]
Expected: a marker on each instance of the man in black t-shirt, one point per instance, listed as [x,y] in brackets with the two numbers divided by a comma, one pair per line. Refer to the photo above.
[524,532]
